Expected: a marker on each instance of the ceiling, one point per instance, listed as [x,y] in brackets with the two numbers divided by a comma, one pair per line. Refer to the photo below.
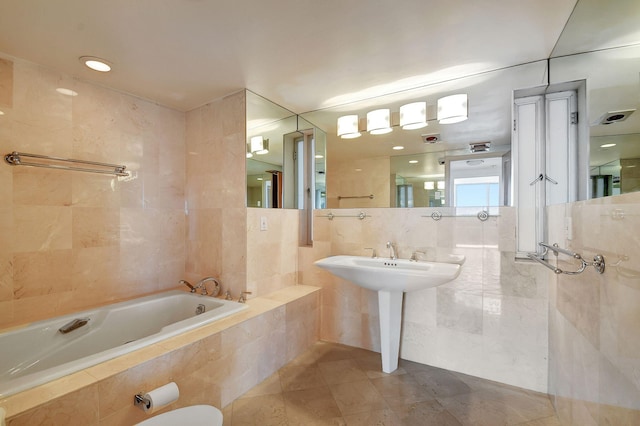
[302,54]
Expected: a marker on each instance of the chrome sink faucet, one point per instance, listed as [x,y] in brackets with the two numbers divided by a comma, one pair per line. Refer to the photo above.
[392,250]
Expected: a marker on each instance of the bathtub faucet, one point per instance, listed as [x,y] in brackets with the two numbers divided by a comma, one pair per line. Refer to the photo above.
[202,285]
[188,284]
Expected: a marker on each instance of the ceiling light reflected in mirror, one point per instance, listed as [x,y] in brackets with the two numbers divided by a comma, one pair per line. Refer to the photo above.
[96,64]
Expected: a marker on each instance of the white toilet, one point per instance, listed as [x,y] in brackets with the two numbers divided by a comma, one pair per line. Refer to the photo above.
[195,415]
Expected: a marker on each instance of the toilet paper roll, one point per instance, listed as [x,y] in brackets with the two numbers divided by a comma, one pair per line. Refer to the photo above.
[164,395]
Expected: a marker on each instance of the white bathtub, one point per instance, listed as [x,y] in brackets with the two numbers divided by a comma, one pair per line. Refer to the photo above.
[39,352]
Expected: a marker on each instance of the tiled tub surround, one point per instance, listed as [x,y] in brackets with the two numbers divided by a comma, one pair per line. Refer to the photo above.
[594,344]
[490,322]
[213,364]
[40,352]
[71,240]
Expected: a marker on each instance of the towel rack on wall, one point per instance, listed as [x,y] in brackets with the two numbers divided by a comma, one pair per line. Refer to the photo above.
[344,197]
[360,215]
[15,159]
[482,215]
[598,260]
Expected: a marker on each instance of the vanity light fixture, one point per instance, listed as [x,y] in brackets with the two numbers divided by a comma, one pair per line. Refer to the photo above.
[318,156]
[607,145]
[413,161]
[429,185]
[96,64]
[452,109]
[413,116]
[259,145]
[398,147]
[440,184]
[379,121]
[348,127]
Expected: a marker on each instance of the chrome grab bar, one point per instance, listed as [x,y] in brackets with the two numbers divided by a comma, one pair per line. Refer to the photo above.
[598,260]
[15,159]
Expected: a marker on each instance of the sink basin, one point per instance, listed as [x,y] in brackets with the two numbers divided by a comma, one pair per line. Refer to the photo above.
[391,279]
[398,275]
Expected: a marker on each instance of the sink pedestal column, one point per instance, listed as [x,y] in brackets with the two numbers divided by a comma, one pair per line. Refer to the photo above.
[390,310]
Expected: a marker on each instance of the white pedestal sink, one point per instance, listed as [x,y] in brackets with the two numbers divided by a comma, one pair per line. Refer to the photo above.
[391,278]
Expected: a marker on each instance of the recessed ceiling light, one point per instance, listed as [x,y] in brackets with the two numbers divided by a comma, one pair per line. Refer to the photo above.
[319,156]
[96,64]
[67,92]
[358,170]
[398,147]
[413,161]
[607,145]
[259,179]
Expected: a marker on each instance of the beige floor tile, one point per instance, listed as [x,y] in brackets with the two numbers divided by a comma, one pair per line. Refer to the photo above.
[269,386]
[441,383]
[425,413]
[296,377]
[357,397]
[547,421]
[343,371]
[317,403]
[335,385]
[401,390]
[266,410]
[384,417]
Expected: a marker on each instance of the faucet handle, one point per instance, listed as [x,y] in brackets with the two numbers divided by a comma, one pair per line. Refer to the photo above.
[414,256]
[374,255]
[192,289]
[227,295]
[243,299]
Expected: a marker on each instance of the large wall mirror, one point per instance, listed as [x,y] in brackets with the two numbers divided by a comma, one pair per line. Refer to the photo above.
[285,157]
[441,164]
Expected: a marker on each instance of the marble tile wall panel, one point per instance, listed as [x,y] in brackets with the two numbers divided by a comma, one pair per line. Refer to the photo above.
[490,322]
[216,243]
[73,240]
[594,349]
[273,253]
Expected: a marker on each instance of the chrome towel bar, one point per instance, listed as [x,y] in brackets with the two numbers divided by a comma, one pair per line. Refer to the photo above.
[598,260]
[15,159]
[344,197]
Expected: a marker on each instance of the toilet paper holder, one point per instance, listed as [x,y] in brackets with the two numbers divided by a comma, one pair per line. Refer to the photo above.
[140,401]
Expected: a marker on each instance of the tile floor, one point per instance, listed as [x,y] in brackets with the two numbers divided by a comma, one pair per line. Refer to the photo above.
[337,385]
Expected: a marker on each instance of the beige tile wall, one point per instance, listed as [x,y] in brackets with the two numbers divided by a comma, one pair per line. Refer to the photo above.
[594,346]
[70,240]
[215,196]
[490,322]
[273,253]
